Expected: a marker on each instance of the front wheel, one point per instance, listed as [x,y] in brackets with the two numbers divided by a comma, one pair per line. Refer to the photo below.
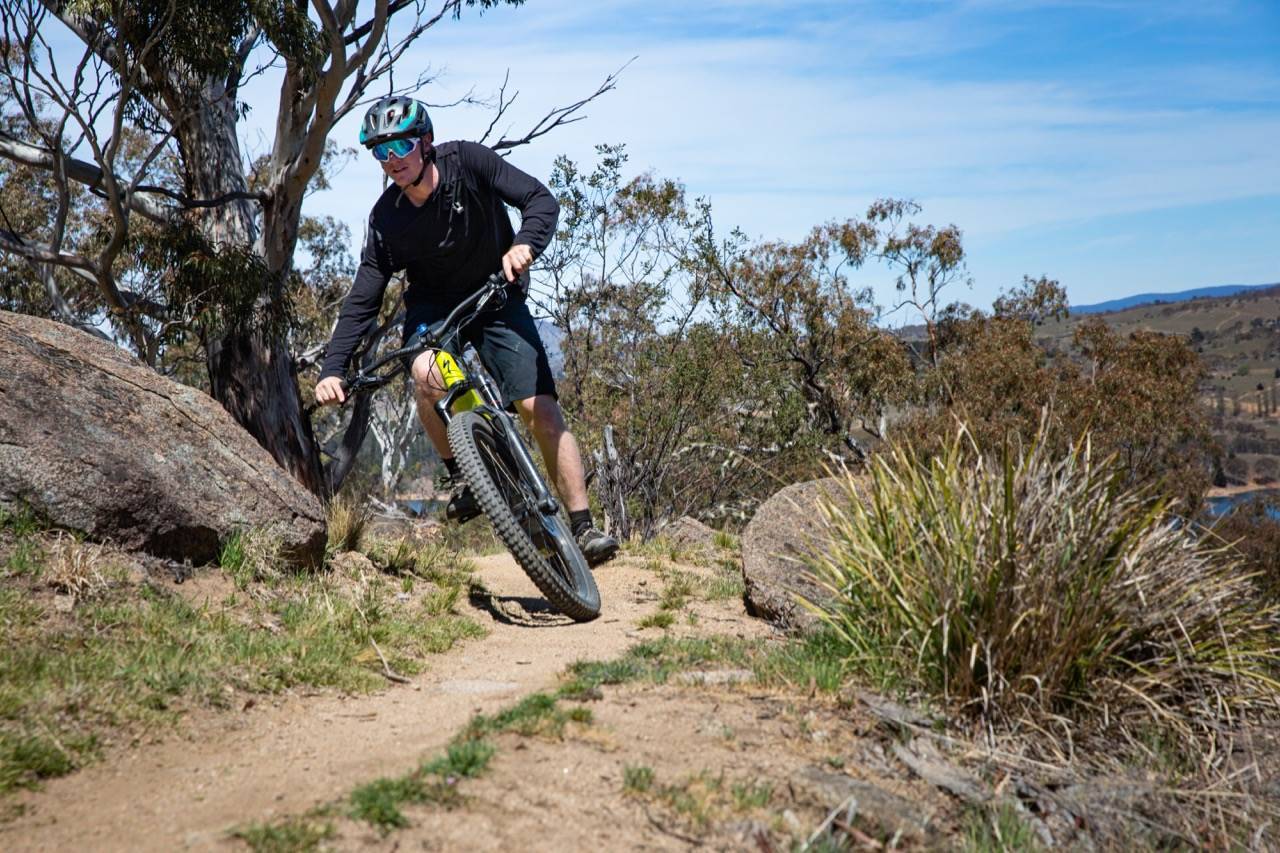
[540,542]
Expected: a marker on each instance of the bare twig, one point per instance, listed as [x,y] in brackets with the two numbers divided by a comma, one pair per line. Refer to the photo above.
[561,115]
[391,675]
[658,825]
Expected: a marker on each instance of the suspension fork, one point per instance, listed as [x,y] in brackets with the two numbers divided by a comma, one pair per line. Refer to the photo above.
[545,500]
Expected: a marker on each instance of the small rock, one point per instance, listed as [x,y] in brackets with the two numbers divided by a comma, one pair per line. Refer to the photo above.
[688,533]
[714,676]
[892,813]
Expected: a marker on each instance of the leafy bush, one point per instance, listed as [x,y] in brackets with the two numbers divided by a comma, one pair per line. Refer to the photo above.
[1024,581]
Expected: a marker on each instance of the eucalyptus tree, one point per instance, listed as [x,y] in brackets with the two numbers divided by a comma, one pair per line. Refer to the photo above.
[170,72]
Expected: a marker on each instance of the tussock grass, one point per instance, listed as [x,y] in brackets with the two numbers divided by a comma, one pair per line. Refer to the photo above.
[1020,583]
[347,519]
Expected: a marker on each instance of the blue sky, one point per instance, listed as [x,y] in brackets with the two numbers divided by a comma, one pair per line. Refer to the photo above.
[1120,147]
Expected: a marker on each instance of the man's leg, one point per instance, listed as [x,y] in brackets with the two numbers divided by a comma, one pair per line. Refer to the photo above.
[428,388]
[541,413]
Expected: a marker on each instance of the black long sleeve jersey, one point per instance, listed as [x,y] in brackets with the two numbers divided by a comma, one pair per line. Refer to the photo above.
[448,246]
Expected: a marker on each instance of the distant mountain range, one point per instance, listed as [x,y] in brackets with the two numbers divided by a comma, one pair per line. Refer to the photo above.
[1181,296]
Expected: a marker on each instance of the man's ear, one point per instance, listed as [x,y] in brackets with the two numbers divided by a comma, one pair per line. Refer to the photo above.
[428,137]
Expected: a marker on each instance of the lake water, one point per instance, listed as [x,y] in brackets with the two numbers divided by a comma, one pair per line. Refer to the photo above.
[1223,504]
[420,508]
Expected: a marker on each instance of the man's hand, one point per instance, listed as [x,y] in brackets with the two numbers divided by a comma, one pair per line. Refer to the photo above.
[329,391]
[516,261]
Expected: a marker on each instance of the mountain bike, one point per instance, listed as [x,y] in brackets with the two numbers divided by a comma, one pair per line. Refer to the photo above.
[494,460]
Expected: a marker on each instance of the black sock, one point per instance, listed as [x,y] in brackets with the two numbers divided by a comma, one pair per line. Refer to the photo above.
[451,465]
[580,520]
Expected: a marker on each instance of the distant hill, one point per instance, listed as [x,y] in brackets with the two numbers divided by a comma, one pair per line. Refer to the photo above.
[1180,296]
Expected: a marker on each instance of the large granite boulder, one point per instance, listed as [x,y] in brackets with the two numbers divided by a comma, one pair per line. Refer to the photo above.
[785,531]
[96,442]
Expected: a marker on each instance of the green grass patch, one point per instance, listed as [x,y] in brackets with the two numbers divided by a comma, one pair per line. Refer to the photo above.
[725,540]
[751,795]
[539,714]
[463,759]
[26,760]
[817,661]
[637,779]
[292,835]
[20,521]
[128,656]
[702,798]
[379,802]
[662,619]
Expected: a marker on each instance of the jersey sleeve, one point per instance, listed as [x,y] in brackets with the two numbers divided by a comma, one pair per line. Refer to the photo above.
[538,208]
[360,308]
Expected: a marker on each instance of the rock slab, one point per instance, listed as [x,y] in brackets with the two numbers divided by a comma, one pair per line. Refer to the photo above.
[785,531]
[94,441]
[688,533]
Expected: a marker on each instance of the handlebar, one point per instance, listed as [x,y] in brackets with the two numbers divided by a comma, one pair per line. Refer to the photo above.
[367,378]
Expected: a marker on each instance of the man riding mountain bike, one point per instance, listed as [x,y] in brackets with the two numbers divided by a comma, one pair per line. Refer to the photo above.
[443,222]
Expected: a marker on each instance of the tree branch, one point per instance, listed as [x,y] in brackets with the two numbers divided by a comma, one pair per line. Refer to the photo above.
[561,115]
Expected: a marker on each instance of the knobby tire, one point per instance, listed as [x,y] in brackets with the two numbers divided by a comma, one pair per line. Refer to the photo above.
[561,573]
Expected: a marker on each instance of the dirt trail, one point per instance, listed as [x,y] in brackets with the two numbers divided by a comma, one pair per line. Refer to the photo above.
[288,755]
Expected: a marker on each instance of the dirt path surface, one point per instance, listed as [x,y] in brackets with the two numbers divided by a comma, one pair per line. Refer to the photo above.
[286,755]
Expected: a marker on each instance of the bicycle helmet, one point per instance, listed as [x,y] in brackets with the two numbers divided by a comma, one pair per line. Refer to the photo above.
[394,118]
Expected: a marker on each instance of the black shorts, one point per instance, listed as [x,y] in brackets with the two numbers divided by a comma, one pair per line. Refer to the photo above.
[508,343]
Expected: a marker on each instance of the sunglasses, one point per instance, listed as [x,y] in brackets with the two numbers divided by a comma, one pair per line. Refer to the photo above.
[399,147]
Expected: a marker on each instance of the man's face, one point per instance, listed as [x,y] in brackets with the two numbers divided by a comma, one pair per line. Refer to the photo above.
[404,170]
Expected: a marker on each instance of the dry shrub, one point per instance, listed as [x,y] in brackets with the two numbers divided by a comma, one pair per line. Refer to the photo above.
[1024,586]
[75,568]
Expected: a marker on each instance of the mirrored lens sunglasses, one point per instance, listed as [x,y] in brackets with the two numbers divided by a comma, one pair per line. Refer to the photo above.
[399,147]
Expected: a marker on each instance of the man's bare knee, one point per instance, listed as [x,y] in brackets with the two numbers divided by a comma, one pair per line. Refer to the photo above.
[427,382]
[542,414]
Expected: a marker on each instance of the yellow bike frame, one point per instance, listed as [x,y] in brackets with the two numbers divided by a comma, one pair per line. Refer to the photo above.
[452,374]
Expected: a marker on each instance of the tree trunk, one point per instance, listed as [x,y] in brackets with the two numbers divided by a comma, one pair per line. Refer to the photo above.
[250,373]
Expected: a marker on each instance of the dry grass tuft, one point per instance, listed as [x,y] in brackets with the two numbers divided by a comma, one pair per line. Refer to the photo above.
[1038,592]
[347,519]
[75,568]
